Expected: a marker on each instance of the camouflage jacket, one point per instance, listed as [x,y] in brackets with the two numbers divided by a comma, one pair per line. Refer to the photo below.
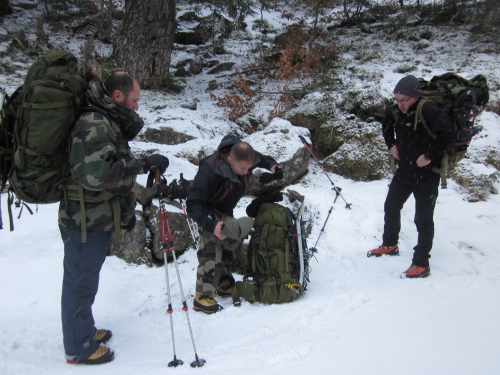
[102,160]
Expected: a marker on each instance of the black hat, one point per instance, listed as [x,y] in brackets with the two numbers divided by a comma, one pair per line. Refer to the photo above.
[408,85]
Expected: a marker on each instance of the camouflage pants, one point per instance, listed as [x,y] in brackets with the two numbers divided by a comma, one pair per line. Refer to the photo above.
[216,256]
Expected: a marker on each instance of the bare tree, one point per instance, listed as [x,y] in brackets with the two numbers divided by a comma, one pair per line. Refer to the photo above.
[145,41]
[5,8]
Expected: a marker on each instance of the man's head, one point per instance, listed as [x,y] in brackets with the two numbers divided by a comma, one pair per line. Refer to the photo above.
[407,92]
[240,158]
[124,89]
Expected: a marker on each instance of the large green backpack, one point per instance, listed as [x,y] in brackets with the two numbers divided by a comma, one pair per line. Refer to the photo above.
[459,99]
[44,108]
[274,264]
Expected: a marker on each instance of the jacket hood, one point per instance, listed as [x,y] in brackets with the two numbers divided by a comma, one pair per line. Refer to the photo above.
[129,121]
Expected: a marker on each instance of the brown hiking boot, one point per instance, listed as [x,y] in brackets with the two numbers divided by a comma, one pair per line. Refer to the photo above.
[223,293]
[383,250]
[102,336]
[415,271]
[103,354]
[206,304]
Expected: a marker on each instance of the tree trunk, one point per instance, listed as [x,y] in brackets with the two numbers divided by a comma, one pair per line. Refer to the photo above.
[5,8]
[146,39]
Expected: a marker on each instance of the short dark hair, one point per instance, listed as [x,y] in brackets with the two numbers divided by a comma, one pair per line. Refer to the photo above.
[121,81]
[242,151]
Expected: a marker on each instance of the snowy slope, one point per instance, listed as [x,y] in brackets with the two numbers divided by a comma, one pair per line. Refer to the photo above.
[357,317]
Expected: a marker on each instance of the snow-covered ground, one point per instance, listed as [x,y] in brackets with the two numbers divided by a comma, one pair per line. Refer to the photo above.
[357,317]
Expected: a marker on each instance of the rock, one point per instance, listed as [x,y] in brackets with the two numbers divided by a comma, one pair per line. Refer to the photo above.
[132,246]
[280,139]
[210,63]
[165,135]
[222,67]
[178,228]
[144,195]
[183,63]
[212,85]
[192,106]
[182,72]
[196,65]
[413,20]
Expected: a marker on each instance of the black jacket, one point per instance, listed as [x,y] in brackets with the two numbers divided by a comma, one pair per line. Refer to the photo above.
[217,186]
[398,129]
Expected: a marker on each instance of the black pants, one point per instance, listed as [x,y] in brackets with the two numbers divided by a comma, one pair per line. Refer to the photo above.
[425,192]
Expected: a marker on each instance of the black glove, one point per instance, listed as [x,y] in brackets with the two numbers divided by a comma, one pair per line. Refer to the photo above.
[155,161]
[131,224]
[278,173]
[268,177]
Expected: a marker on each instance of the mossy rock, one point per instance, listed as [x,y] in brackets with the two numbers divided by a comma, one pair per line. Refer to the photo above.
[164,136]
[359,162]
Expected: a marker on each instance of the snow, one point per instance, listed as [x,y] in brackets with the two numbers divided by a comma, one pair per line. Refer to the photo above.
[357,316]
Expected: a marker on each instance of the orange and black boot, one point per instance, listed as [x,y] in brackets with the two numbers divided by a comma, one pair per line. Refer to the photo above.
[383,250]
[415,271]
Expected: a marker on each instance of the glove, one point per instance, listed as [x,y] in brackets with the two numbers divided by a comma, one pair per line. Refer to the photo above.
[278,173]
[131,224]
[155,161]
[268,177]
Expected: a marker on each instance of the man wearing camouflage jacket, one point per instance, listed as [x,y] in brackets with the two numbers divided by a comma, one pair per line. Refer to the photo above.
[103,174]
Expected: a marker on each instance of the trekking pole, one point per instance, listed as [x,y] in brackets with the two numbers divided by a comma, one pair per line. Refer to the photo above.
[163,221]
[193,228]
[313,249]
[337,190]
[198,362]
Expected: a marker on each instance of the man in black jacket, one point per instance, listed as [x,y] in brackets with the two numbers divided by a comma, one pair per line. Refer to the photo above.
[220,183]
[417,154]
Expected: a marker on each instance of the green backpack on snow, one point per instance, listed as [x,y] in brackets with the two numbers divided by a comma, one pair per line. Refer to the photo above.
[274,265]
[459,99]
[41,114]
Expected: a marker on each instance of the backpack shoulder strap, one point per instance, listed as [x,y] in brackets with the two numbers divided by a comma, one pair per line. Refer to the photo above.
[419,117]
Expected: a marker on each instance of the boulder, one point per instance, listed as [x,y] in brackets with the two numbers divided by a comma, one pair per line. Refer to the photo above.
[132,246]
[166,135]
[222,67]
[179,229]
[280,139]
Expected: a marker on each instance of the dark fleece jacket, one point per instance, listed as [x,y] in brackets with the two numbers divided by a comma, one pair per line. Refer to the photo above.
[216,186]
[398,129]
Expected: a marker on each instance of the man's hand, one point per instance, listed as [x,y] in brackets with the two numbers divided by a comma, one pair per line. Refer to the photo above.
[422,161]
[394,152]
[152,162]
[268,177]
[218,231]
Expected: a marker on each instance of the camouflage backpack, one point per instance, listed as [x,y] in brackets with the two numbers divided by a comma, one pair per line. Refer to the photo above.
[274,263]
[459,99]
[41,115]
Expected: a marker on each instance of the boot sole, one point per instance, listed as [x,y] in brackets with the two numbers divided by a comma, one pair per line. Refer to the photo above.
[198,309]
[403,276]
[392,254]
[99,361]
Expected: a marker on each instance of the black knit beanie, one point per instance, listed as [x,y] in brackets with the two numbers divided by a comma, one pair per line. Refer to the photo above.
[408,85]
